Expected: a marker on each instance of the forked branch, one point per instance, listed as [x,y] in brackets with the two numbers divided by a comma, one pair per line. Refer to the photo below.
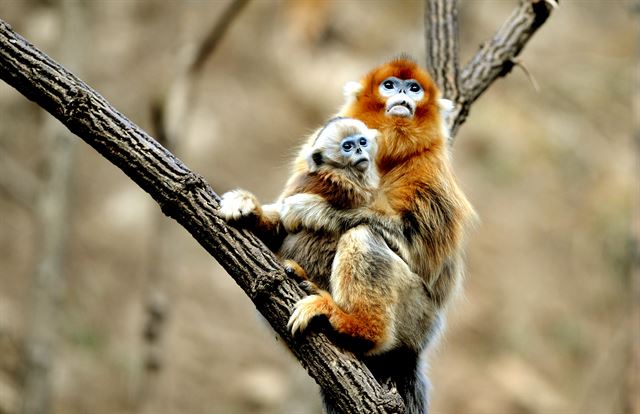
[495,59]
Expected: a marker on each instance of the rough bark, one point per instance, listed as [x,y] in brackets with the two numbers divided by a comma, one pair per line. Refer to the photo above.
[186,197]
[441,30]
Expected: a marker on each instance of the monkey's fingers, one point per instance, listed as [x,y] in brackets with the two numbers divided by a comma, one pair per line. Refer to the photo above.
[309,287]
[305,310]
[293,269]
[238,204]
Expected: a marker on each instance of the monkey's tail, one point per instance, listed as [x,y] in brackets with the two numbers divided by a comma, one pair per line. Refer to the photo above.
[414,389]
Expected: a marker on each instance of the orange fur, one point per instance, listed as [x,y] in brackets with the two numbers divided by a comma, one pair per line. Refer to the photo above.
[402,137]
[413,156]
[366,323]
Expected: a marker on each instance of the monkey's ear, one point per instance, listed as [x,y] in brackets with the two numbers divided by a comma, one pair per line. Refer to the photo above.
[351,89]
[315,161]
[446,106]
[446,109]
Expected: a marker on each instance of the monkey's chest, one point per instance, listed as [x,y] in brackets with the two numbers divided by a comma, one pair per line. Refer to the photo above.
[314,252]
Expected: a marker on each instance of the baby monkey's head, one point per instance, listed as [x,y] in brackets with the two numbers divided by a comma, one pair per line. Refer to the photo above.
[344,143]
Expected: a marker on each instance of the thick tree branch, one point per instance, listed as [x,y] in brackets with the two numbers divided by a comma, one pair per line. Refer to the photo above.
[186,197]
[495,58]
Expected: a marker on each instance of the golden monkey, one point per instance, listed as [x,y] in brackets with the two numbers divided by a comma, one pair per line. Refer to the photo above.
[418,201]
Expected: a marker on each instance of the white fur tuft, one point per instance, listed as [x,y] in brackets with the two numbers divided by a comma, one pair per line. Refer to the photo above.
[351,89]
[446,109]
[446,105]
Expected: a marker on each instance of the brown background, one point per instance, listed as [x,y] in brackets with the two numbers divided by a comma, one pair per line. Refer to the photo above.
[543,325]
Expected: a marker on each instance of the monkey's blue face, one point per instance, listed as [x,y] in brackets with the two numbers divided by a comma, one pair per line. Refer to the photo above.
[401,96]
[355,149]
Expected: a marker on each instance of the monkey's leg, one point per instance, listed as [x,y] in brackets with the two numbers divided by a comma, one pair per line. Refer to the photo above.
[293,269]
[359,324]
[363,297]
[368,275]
[364,283]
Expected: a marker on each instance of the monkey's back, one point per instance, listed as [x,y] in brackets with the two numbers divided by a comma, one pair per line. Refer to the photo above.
[314,252]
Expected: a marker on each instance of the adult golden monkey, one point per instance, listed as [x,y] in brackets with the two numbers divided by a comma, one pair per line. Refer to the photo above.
[417,198]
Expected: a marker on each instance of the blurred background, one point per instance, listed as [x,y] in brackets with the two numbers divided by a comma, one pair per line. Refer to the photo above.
[106,306]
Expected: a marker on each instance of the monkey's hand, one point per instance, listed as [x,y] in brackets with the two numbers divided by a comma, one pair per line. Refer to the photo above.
[308,308]
[239,204]
[312,212]
[306,211]
[242,209]
[295,271]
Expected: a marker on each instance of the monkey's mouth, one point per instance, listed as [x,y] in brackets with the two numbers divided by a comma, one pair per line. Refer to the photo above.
[362,164]
[400,105]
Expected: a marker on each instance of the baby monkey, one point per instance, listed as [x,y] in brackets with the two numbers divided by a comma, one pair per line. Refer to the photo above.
[341,170]
[352,272]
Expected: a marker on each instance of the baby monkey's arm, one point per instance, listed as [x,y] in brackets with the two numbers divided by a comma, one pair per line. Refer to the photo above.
[242,209]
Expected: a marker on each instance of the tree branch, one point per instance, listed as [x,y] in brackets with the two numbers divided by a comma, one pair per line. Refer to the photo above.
[185,196]
[441,29]
[495,58]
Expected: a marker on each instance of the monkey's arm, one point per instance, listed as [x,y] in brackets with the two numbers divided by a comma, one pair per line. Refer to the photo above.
[242,209]
[313,212]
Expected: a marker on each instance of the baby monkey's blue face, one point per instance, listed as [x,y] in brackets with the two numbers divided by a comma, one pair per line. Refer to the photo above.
[356,151]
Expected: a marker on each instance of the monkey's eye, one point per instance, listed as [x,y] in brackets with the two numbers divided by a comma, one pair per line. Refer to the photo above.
[413,89]
[363,142]
[389,86]
[347,146]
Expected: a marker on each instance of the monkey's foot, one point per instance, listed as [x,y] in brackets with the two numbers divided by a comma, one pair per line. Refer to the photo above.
[308,308]
[293,269]
[296,272]
[238,204]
